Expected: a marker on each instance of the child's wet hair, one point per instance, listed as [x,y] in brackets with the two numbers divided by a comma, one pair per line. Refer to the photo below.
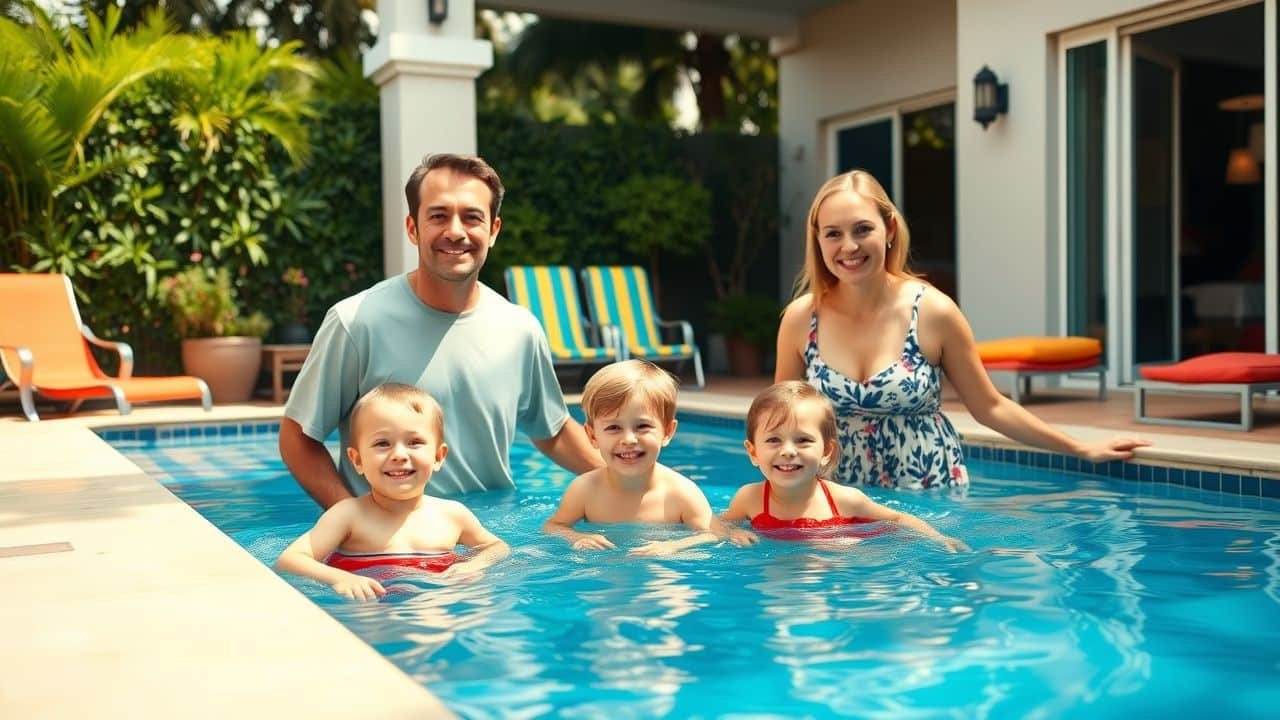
[610,388]
[414,398]
[777,404]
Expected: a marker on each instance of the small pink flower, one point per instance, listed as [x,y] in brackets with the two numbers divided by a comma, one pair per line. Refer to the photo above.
[908,366]
[196,256]
[955,472]
[885,481]
[869,428]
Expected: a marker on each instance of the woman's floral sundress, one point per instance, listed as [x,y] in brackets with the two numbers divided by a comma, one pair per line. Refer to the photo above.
[891,428]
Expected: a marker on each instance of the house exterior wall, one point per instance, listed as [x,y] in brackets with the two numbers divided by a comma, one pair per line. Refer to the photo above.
[1007,176]
[851,57]
[856,57]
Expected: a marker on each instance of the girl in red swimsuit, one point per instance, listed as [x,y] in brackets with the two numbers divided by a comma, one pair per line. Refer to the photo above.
[791,431]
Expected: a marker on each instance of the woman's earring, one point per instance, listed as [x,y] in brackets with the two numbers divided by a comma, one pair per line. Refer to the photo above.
[890,244]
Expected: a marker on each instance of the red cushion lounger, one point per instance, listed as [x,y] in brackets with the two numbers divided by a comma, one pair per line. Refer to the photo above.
[1242,373]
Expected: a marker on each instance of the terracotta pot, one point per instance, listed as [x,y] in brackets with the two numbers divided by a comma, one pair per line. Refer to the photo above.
[228,364]
[745,359]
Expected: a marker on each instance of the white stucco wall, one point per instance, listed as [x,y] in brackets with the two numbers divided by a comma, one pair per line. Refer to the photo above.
[851,57]
[1006,177]
[865,54]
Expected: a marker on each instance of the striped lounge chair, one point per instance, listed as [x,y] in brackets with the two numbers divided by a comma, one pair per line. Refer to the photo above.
[621,297]
[551,294]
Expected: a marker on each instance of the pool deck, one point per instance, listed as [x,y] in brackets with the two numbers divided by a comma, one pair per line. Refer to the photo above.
[152,611]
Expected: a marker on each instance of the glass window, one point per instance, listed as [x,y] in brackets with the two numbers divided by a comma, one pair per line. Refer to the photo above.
[867,147]
[1086,93]
[929,193]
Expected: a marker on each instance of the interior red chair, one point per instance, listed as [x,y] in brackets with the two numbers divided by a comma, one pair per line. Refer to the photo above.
[44,348]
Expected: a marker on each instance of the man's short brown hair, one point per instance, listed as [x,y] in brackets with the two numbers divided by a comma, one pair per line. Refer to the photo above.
[471,165]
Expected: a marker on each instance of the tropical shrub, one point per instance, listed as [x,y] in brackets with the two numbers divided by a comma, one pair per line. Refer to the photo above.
[331,221]
[203,304]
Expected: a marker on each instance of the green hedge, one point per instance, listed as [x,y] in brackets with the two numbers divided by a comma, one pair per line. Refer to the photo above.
[558,178]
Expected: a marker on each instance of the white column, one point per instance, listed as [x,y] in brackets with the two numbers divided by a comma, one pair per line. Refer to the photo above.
[426,79]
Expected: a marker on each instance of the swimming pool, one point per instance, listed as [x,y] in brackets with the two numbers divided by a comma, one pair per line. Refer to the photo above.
[1085,596]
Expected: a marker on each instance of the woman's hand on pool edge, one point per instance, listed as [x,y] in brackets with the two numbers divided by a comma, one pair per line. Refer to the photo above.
[1117,448]
[358,587]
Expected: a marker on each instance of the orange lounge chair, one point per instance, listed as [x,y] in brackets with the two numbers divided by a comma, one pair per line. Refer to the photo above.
[44,348]
[1027,357]
[1229,373]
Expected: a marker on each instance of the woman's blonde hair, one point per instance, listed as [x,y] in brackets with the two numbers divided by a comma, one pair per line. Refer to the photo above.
[815,277]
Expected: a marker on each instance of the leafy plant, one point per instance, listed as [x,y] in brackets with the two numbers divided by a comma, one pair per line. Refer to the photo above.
[204,304]
[56,83]
[526,239]
[656,214]
[753,318]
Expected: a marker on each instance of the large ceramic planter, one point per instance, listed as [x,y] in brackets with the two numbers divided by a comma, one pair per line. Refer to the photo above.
[228,364]
[745,359]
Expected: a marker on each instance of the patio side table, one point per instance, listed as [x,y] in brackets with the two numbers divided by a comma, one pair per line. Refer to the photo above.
[282,358]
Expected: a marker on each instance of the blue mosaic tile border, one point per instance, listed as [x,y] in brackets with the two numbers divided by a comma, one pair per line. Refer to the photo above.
[1247,485]
[189,433]
[1212,480]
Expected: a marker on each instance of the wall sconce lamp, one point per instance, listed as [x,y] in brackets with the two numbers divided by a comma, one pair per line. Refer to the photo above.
[990,97]
[437,11]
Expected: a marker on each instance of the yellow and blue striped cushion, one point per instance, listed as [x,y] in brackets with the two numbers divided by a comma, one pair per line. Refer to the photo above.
[620,296]
[549,292]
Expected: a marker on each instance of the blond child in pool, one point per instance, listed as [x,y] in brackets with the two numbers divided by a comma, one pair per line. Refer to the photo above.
[791,437]
[630,408]
[398,442]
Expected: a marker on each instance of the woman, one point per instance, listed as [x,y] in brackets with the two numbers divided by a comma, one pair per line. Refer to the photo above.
[875,339]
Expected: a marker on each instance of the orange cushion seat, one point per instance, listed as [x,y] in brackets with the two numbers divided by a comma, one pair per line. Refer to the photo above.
[1039,350]
[1225,367]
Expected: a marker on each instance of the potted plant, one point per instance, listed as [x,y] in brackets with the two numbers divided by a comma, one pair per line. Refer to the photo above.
[219,345]
[749,324]
[295,332]
[748,321]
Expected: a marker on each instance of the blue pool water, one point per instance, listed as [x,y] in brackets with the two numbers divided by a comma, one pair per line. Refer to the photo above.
[1084,598]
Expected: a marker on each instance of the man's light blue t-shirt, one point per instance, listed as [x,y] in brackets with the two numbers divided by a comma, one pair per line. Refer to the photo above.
[489,368]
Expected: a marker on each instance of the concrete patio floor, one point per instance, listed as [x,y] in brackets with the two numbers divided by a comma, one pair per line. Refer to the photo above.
[154,612]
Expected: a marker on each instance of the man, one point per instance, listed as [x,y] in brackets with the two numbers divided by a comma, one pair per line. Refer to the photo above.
[485,360]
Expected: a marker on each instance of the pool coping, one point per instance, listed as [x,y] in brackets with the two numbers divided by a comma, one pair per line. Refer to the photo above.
[154,611]
[178,640]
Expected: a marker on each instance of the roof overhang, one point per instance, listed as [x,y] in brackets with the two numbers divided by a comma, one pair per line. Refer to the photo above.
[760,18]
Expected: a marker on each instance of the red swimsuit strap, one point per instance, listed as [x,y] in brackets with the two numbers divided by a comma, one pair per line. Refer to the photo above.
[831,503]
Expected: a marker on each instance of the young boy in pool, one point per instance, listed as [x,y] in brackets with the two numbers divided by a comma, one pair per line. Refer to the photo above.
[398,436]
[630,408]
[791,437]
